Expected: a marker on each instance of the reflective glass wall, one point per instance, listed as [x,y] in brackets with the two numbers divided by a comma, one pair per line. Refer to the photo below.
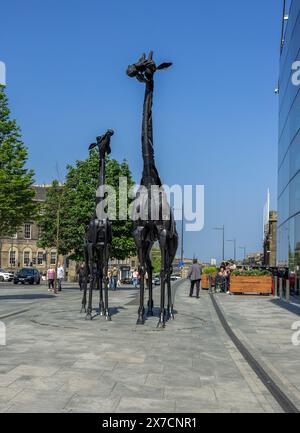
[288,248]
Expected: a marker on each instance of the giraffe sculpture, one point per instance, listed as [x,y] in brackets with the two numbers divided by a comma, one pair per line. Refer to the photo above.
[98,239]
[148,230]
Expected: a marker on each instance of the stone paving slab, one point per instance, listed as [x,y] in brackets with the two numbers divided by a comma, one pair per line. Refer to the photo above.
[56,361]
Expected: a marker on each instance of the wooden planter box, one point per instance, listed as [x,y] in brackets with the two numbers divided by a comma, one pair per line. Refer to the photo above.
[205,281]
[251,284]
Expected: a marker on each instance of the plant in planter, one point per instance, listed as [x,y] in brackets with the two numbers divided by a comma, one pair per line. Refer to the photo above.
[206,272]
[251,281]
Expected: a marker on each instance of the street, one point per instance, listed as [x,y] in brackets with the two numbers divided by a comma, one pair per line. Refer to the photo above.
[55,361]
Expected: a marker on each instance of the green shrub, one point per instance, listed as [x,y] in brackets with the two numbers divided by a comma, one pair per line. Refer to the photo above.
[251,273]
[210,270]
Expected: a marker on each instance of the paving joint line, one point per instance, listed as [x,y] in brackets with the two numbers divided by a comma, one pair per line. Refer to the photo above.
[282,399]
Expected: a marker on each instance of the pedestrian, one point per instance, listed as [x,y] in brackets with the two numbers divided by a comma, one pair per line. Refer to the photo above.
[50,278]
[135,277]
[60,276]
[115,278]
[110,280]
[81,276]
[195,274]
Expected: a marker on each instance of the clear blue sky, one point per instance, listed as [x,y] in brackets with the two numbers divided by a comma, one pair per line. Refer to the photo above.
[215,109]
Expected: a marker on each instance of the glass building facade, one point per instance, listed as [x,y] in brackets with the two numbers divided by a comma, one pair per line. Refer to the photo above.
[288,236]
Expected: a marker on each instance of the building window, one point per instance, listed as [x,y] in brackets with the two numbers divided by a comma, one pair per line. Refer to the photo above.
[53,259]
[27,231]
[40,258]
[12,258]
[26,258]
[39,232]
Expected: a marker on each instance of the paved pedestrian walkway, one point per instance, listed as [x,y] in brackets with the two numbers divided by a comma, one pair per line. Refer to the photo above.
[55,361]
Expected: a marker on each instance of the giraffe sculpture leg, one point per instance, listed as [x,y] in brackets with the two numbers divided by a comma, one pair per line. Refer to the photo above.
[150,285]
[172,245]
[100,282]
[83,307]
[162,313]
[92,282]
[86,274]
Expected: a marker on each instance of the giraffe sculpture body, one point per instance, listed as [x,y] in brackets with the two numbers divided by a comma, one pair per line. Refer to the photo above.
[162,227]
[98,239]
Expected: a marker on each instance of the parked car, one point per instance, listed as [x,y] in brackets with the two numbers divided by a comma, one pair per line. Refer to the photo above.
[156,281]
[175,278]
[6,276]
[27,275]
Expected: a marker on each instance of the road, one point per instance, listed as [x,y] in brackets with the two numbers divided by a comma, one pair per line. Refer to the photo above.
[55,361]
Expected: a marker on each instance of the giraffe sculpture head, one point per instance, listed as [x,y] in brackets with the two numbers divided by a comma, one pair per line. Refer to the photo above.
[145,69]
[103,143]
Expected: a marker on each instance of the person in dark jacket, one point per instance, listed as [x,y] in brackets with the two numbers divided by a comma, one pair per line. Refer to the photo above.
[195,276]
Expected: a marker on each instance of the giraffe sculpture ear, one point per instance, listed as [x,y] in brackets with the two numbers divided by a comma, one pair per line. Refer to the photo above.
[164,65]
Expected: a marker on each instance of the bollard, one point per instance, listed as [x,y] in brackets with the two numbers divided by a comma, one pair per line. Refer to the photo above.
[287,291]
[280,288]
[275,285]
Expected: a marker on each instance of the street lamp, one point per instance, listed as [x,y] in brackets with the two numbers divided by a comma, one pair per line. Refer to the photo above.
[243,248]
[234,244]
[222,228]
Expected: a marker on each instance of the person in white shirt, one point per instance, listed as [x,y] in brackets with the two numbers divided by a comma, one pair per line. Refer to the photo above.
[60,276]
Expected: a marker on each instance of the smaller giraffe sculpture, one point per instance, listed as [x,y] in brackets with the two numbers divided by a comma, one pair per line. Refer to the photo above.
[98,239]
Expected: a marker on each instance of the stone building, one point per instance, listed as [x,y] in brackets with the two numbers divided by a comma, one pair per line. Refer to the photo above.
[270,241]
[21,250]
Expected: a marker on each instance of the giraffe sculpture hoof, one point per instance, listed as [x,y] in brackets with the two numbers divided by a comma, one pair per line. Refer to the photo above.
[140,321]
[88,316]
[161,324]
[83,310]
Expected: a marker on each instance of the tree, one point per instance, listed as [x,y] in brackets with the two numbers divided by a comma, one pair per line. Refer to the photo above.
[156,259]
[53,221]
[16,195]
[81,184]
[75,202]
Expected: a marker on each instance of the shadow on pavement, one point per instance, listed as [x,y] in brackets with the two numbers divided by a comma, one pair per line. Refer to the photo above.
[24,297]
[112,311]
[295,309]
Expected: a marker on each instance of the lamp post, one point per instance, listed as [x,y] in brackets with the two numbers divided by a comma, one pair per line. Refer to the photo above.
[222,228]
[234,244]
[244,248]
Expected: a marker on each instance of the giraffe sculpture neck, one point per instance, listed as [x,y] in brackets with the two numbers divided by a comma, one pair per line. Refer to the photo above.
[150,175]
[101,190]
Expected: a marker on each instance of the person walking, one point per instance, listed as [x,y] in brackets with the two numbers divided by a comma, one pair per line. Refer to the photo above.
[60,276]
[195,276]
[50,278]
[109,279]
[115,278]
[135,277]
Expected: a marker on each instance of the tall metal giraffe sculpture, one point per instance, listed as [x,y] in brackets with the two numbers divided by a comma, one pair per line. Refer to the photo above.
[98,238]
[148,230]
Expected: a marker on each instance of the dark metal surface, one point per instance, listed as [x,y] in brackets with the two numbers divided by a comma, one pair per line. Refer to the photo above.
[282,399]
[148,230]
[98,239]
